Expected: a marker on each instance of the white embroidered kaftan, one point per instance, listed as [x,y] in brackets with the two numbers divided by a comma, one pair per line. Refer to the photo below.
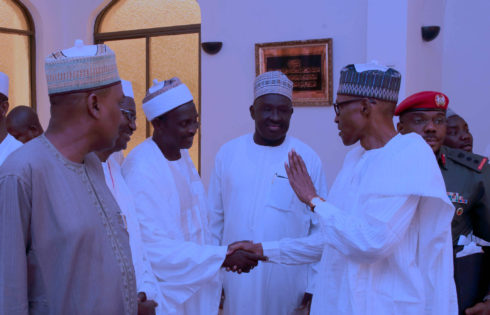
[172,210]
[251,199]
[145,279]
[386,235]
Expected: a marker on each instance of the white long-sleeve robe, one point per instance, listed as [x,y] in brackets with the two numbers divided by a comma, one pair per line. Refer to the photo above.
[172,210]
[251,199]
[145,279]
[7,146]
[385,238]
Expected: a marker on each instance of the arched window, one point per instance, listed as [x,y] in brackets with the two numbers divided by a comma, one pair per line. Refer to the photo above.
[154,39]
[18,52]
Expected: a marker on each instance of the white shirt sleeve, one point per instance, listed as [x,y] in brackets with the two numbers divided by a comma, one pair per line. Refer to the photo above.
[372,232]
[363,238]
[295,251]
[181,267]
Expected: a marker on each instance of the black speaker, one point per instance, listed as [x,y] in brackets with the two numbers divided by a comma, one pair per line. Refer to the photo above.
[430,32]
[211,48]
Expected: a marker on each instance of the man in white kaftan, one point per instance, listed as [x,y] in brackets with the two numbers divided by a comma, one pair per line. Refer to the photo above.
[385,234]
[172,207]
[111,158]
[385,230]
[251,199]
[145,279]
[8,143]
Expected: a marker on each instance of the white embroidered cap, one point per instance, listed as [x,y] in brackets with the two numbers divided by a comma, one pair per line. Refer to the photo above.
[164,96]
[273,82]
[127,88]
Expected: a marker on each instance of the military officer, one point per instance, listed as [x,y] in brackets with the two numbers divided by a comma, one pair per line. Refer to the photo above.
[467,179]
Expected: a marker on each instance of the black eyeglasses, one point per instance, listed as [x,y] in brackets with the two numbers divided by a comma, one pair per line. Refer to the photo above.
[336,105]
[130,115]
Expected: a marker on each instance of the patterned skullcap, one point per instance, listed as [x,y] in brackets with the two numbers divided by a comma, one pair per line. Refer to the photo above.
[164,96]
[423,101]
[4,84]
[370,80]
[273,82]
[81,68]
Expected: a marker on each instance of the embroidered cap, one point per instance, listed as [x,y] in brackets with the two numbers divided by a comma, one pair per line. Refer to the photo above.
[423,101]
[127,88]
[81,68]
[273,82]
[164,96]
[370,80]
[4,84]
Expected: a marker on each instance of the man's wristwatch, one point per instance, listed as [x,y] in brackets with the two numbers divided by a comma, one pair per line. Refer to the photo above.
[486,298]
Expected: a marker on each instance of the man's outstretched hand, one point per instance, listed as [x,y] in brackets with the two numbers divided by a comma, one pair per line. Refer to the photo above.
[299,179]
[242,261]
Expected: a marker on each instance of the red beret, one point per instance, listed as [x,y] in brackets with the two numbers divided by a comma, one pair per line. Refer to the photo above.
[427,100]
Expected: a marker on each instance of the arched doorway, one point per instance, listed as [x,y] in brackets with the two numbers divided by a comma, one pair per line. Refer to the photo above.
[18,52]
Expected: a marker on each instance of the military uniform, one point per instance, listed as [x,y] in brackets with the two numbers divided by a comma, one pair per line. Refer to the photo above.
[467,179]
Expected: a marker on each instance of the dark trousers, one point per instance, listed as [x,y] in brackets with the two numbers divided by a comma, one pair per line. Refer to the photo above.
[468,278]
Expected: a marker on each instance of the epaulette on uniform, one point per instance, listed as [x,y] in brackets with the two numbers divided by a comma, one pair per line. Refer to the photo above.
[472,161]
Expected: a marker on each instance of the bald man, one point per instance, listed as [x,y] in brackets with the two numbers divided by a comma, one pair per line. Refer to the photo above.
[23,123]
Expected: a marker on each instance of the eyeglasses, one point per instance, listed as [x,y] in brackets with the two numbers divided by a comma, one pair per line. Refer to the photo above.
[130,115]
[336,105]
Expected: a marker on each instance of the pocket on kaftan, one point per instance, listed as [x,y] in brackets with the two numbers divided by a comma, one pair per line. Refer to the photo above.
[281,194]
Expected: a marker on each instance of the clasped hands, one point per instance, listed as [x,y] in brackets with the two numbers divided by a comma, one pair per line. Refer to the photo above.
[243,256]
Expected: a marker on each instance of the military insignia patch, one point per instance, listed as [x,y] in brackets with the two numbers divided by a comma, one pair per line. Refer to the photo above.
[440,100]
[456,197]
[459,211]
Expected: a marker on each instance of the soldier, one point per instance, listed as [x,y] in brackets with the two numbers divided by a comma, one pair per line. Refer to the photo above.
[467,179]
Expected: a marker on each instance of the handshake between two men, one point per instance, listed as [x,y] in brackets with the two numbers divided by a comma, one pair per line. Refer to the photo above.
[243,256]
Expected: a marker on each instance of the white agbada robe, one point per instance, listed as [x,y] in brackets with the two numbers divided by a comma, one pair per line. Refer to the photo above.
[7,146]
[145,279]
[251,199]
[386,235]
[172,210]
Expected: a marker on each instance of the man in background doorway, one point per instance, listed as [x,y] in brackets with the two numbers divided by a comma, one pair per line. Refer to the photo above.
[23,123]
